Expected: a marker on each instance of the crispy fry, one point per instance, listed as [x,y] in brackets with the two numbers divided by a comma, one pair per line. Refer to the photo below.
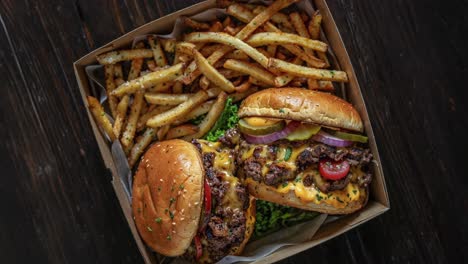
[237,54]
[162,132]
[271,49]
[182,131]
[243,87]
[120,116]
[151,79]
[227,40]
[245,15]
[278,18]
[177,88]
[168,44]
[177,112]
[212,74]
[166,99]
[211,118]
[324,58]
[198,111]
[184,58]
[118,72]
[141,145]
[216,27]
[130,128]
[191,73]
[208,50]
[325,85]
[314,25]
[136,66]
[110,86]
[204,83]
[287,78]
[113,57]
[300,27]
[236,97]
[252,70]
[195,24]
[296,70]
[232,30]
[100,116]
[256,82]
[214,92]
[272,38]
[228,74]
[160,87]
[155,111]
[237,81]
[226,22]
[185,47]
[158,53]
[151,64]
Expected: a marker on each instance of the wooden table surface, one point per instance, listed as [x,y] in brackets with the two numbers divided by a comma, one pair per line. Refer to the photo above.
[57,202]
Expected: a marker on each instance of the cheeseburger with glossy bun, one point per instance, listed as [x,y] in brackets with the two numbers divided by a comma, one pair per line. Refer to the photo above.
[302,148]
[186,201]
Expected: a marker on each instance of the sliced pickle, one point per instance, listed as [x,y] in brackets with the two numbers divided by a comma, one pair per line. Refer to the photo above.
[303,132]
[247,128]
[350,137]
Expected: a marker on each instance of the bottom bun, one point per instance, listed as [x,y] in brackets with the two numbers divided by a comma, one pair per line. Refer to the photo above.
[268,193]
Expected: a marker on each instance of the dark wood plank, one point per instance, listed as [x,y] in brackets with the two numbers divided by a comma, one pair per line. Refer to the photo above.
[59,206]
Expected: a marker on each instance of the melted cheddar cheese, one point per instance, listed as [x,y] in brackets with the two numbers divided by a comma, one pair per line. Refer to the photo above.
[307,194]
[224,163]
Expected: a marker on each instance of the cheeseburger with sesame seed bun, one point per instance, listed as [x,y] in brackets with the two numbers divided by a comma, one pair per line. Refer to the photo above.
[186,201]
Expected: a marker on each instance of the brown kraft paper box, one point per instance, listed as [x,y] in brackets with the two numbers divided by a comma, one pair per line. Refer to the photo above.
[378,200]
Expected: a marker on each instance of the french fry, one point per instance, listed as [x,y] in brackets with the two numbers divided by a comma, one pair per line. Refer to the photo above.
[208,50]
[160,87]
[110,86]
[212,74]
[300,27]
[118,74]
[271,49]
[181,131]
[177,88]
[272,38]
[120,116]
[191,73]
[232,30]
[318,74]
[229,74]
[211,118]
[256,82]
[204,83]
[162,132]
[197,111]
[312,84]
[278,18]
[168,44]
[186,47]
[226,39]
[151,79]
[136,66]
[252,70]
[325,85]
[314,25]
[113,57]
[158,53]
[166,99]
[226,22]
[216,27]
[130,128]
[141,145]
[243,87]
[283,80]
[236,97]
[195,24]
[151,64]
[141,124]
[100,116]
[177,112]
[237,54]
[243,14]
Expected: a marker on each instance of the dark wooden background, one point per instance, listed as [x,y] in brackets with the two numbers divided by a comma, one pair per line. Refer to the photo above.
[57,204]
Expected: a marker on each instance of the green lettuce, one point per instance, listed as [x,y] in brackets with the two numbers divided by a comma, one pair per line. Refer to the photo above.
[273,217]
[227,120]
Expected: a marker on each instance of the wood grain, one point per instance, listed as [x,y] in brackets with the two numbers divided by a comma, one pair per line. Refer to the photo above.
[57,201]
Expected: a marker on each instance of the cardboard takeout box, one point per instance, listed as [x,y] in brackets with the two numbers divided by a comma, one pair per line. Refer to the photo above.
[378,201]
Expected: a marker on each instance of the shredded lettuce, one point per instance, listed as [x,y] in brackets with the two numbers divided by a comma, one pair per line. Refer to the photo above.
[273,217]
[227,120]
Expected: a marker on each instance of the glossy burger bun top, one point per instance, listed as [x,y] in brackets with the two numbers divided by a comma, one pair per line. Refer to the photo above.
[302,105]
[167,196]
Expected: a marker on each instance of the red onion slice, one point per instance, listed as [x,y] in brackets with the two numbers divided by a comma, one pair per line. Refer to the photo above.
[328,139]
[267,139]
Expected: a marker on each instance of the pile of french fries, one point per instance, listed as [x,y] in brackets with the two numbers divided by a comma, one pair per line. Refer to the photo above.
[171,82]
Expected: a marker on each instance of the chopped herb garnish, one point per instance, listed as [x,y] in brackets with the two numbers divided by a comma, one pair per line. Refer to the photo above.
[166,210]
[168,237]
[354,191]
[149,229]
[281,110]
[181,187]
[284,184]
[171,215]
[288,153]
[171,201]
[158,220]
[298,179]
[319,197]
[339,200]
